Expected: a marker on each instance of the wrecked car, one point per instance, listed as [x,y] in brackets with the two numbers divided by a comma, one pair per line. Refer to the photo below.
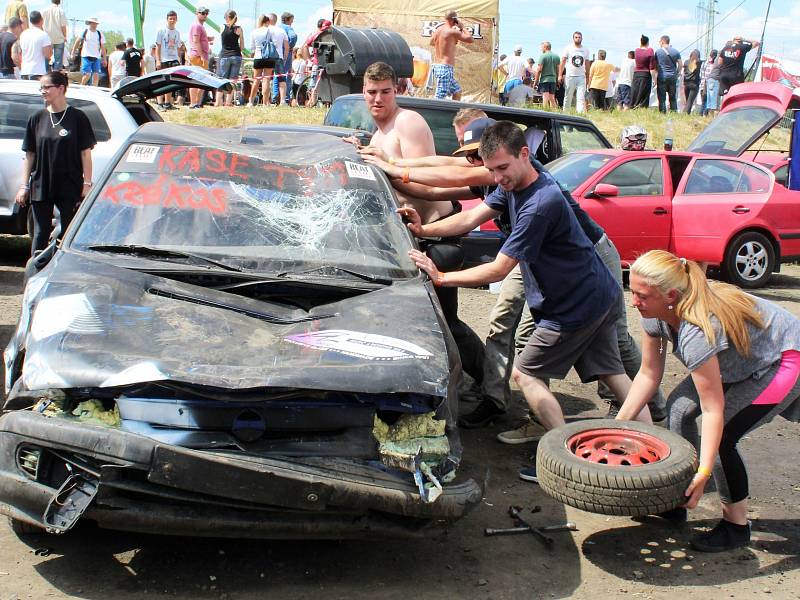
[232,341]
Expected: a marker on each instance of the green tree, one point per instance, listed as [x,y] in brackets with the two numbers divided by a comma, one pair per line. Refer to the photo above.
[112,39]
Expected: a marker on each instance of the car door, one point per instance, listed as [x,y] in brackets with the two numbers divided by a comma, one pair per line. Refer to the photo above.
[637,219]
[15,110]
[719,198]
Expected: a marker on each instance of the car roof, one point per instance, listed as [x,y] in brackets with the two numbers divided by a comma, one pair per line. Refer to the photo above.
[638,153]
[81,92]
[295,145]
[455,106]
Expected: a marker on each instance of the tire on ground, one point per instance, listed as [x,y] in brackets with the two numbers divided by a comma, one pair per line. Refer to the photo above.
[632,491]
[23,528]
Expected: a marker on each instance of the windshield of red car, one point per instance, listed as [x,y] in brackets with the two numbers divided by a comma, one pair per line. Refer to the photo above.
[573,169]
[731,133]
[258,215]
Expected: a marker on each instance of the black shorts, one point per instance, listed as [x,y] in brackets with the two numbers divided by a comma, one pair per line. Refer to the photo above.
[264,63]
[547,87]
[169,63]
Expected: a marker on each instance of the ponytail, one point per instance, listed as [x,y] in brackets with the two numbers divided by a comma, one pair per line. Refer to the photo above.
[263,20]
[231,15]
[699,298]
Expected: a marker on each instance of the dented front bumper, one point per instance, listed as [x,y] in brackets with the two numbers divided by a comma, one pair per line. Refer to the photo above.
[144,485]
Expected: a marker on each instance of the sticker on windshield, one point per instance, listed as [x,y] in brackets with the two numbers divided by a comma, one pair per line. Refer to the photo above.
[140,153]
[361,345]
[359,171]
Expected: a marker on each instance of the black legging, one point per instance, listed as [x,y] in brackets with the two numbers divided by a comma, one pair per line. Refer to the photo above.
[641,85]
[729,457]
[448,255]
[43,220]
[690,91]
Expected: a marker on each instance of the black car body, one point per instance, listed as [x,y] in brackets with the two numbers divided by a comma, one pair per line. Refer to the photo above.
[230,326]
[552,134]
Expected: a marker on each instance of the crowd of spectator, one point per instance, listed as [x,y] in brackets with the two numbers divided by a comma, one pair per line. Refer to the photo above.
[644,77]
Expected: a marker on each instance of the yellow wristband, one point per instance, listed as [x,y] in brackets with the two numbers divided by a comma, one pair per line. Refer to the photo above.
[704,471]
[391,160]
[406,175]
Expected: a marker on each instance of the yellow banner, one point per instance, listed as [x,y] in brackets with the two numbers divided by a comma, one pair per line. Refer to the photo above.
[417,20]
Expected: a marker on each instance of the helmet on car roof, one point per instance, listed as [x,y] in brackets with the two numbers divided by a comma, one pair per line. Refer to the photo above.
[633,137]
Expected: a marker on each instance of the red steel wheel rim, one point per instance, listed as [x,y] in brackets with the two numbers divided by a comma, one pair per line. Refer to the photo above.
[618,447]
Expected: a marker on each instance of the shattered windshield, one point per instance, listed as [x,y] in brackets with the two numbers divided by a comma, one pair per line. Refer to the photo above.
[732,132]
[257,215]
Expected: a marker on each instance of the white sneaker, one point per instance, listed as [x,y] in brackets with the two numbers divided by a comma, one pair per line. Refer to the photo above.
[529,432]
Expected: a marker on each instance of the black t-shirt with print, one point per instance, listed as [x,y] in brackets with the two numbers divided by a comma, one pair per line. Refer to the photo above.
[57,168]
[133,61]
[733,58]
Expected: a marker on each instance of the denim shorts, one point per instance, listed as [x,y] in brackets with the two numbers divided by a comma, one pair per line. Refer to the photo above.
[90,64]
[229,67]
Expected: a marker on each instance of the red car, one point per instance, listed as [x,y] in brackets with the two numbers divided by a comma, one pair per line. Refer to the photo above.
[708,203]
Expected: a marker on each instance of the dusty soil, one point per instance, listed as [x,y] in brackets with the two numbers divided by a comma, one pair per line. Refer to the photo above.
[608,557]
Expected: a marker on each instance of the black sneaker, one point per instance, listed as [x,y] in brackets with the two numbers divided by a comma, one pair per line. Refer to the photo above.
[486,412]
[724,536]
[613,409]
[529,474]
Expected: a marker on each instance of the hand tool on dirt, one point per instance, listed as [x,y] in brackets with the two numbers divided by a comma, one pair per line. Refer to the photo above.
[524,527]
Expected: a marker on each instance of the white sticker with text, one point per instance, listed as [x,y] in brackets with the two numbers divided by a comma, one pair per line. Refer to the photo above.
[359,171]
[139,153]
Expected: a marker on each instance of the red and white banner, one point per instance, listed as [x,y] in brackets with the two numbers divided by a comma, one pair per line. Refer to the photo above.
[777,69]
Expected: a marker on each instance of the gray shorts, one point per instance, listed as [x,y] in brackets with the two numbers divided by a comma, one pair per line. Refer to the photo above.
[592,350]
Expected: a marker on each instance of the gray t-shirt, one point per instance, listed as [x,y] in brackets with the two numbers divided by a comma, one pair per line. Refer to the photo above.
[781,332]
[170,41]
[667,59]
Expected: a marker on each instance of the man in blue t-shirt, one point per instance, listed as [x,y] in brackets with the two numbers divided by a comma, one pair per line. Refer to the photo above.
[570,291]
[670,67]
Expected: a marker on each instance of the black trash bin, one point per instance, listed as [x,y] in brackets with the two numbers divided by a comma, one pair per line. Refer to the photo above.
[346,52]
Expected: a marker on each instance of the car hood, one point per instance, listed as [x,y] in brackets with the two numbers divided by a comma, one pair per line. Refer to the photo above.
[89,323]
[731,133]
[172,79]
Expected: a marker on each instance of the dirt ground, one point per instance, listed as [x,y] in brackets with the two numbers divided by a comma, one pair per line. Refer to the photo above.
[609,557]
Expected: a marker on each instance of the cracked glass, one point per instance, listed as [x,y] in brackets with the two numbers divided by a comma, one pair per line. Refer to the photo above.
[255,214]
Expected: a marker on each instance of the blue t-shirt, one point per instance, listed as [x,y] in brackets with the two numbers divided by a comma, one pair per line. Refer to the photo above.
[667,60]
[566,283]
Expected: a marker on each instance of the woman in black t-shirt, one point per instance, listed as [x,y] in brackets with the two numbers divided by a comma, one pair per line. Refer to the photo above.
[58,160]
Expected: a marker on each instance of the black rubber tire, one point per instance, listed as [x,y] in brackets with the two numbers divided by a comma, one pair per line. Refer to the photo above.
[745,243]
[23,528]
[615,490]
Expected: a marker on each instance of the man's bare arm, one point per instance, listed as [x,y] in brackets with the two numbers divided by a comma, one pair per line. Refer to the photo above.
[422,161]
[480,275]
[457,224]
[450,176]
[433,193]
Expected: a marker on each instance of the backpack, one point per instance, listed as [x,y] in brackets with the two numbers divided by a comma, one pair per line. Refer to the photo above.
[75,59]
[268,48]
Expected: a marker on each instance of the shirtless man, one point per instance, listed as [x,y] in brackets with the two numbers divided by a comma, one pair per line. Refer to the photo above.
[404,133]
[444,40]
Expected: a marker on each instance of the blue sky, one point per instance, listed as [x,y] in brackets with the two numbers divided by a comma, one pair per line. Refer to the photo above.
[608,24]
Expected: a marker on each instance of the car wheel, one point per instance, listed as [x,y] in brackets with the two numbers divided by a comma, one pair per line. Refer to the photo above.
[614,467]
[749,260]
[23,528]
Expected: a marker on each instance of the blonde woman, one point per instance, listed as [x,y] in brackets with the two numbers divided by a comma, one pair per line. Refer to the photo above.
[743,356]
[262,66]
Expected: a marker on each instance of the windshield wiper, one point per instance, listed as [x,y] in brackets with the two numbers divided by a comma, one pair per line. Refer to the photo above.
[152,252]
[331,270]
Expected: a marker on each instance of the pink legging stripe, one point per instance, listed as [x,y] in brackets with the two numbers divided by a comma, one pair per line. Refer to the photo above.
[784,379]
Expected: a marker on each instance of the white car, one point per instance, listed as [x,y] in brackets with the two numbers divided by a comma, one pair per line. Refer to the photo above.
[114,115]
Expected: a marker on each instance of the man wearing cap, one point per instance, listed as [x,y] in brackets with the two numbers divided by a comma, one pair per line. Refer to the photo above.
[731,62]
[198,52]
[444,40]
[92,44]
[514,69]
[451,174]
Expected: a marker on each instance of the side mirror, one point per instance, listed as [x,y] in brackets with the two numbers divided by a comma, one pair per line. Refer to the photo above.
[605,190]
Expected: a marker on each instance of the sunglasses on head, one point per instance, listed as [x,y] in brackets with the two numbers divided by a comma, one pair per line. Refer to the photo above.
[205,12]
[473,157]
